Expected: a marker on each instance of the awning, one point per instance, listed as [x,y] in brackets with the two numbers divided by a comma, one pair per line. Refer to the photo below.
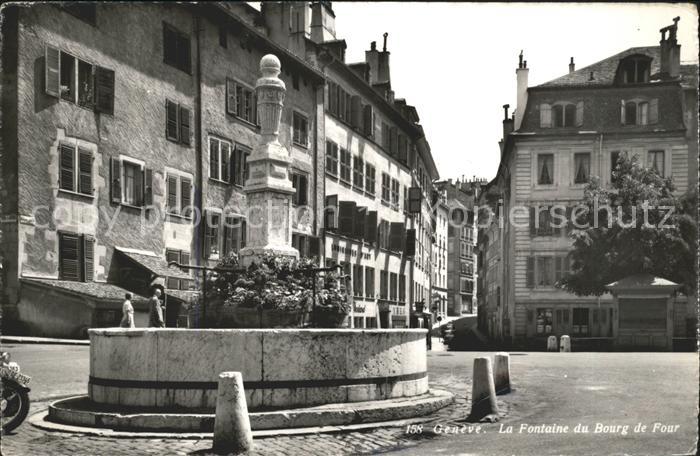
[154,263]
[643,283]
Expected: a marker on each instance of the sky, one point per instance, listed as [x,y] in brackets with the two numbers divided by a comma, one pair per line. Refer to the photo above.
[456,61]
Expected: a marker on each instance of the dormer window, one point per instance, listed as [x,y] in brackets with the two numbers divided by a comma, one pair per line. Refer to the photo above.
[634,70]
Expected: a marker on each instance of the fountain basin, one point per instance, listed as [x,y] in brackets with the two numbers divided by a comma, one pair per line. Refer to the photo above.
[281,368]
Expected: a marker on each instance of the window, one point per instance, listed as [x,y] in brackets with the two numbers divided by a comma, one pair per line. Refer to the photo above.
[133,183]
[358,168]
[395,189]
[580,321]
[656,161]
[339,102]
[75,173]
[211,234]
[466,285]
[383,285]
[369,282]
[76,257]
[300,184]
[176,48]
[180,257]
[179,197]
[545,272]
[639,112]
[300,135]
[345,165]
[241,101]
[239,164]
[543,323]
[177,122]
[219,159]
[223,37]
[582,168]
[384,234]
[614,158]
[332,158]
[634,70]
[79,82]
[234,234]
[393,279]
[545,169]
[370,178]
[386,188]
[386,138]
[357,276]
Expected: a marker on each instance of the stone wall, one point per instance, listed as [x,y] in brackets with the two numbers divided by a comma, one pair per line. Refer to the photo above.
[280,367]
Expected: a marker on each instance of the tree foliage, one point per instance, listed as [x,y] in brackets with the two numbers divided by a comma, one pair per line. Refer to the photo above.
[613,238]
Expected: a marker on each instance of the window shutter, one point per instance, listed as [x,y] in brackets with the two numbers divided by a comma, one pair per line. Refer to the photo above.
[368,120]
[148,186]
[207,244]
[85,170]
[227,168]
[533,220]
[115,179]
[396,236]
[370,234]
[559,316]
[360,222]
[185,196]
[331,212]
[394,142]
[254,110]
[530,316]
[545,116]
[244,229]
[185,125]
[228,235]
[104,90]
[172,195]
[356,112]
[653,110]
[566,316]
[558,268]
[403,149]
[410,249]
[89,258]
[314,247]
[622,112]
[171,124]
[67,174]
[579,113]
[69,254]
[530,272]
[52,67]
[230,97]
[346,217]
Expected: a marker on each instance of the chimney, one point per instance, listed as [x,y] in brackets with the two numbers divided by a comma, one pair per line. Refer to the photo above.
[521,74]
[670,51]
[572,66]
[322,22]
[507,122]
[378,62]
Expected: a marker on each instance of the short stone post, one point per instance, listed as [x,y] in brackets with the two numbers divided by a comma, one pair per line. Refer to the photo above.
[552,343]
[232,432]
[483,392]
[565,344]
[501,373]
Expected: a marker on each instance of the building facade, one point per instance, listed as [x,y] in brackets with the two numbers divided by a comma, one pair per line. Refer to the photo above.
[641,102]
[116,162]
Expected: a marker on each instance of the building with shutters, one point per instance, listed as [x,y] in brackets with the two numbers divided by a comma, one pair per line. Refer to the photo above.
[461,241]
[641,102]
[110,156]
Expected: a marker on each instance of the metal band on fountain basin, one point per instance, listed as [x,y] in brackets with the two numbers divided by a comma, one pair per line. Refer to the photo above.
[281,367]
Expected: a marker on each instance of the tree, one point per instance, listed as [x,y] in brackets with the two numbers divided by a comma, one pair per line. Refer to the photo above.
[635,226]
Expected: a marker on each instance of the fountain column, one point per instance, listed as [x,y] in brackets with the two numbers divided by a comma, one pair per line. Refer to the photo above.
[268,188]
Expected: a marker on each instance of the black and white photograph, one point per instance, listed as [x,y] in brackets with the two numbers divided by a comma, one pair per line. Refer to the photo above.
[325,228]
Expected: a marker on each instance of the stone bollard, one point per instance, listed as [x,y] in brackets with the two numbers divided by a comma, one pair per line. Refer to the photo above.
[483,392]
[565,344]
[552,343]
[501,373]
[232,432]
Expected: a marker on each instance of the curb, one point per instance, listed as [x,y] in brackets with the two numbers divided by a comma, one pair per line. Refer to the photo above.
[39,420]
[42,340]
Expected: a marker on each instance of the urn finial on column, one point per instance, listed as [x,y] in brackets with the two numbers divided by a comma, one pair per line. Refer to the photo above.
[270,90]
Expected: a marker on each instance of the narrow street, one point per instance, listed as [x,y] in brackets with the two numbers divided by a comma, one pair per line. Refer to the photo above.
[564,389]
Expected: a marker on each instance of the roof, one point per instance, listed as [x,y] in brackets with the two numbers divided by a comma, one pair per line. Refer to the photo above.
[154,263]
[642,282]
[605,70]
[98,290]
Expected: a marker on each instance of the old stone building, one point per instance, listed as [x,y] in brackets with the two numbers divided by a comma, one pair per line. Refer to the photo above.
[125,137]
[641,101]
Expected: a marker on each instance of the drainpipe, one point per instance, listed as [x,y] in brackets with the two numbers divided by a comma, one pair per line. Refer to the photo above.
[198,196]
